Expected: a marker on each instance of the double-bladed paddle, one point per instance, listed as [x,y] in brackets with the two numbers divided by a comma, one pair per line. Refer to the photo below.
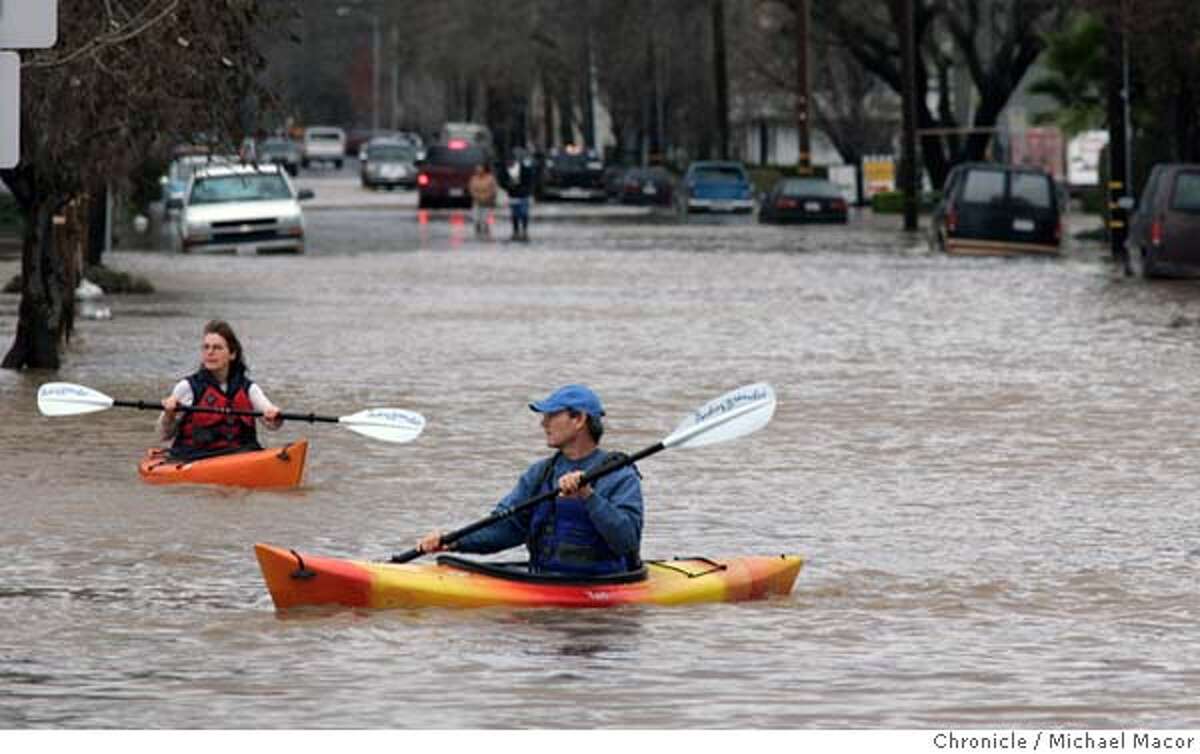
[737,413]
[386,424]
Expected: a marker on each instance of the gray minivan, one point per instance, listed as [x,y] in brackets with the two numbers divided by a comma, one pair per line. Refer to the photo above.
[1164,231]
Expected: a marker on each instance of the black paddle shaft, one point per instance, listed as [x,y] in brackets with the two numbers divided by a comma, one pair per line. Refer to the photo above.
[604,469]
[227,411]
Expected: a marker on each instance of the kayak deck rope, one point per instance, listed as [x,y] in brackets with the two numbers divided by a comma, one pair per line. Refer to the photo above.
[301,571]
[668,564]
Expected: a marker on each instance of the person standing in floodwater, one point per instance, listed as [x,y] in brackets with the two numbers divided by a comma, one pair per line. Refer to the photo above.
[483,199]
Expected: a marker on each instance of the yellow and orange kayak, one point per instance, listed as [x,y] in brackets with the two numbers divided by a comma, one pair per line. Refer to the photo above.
[296,579]
[272,467]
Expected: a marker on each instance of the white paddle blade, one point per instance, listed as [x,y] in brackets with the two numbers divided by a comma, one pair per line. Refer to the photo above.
[67,399]
[387,424]
[737,413]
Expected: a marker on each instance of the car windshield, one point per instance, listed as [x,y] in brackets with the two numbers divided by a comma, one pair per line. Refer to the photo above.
[464,157]
[1187,192]
[715,174]
[392,152]
[984,187]
[1031,190]
[239,188]
[808,187]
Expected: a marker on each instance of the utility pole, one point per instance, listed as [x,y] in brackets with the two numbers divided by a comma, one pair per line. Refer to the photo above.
[394,44]
[908,157]
[718,25]
[374,73]
[803,88]
[1118,158]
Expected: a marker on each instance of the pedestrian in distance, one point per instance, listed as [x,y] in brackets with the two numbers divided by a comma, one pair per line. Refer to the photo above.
[220,382]
[587,530]
[483,199]
[518,178]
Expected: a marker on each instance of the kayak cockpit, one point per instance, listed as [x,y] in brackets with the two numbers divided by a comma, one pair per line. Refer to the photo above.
[519,571]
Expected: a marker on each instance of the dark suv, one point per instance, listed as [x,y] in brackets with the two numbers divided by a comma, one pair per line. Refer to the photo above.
[1164,232]
[572,173]
[990,209]
[445,173]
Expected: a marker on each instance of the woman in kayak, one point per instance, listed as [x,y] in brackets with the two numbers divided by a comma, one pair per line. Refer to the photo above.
[588,529]
[221,382]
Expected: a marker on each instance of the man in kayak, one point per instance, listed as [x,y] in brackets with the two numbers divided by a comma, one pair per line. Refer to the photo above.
[221,382]
[587,530]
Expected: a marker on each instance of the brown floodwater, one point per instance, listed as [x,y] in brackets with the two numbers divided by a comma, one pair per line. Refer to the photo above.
[989,464]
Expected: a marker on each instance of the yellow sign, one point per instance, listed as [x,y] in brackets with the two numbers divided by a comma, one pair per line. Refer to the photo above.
[879,174]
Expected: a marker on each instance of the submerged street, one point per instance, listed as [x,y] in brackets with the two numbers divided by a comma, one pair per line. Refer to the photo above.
[988,464]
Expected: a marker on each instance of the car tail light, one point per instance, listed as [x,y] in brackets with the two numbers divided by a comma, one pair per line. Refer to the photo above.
[457,144]
[423,179]
[951,218]
[785,203]
[839,205]
[1156,231]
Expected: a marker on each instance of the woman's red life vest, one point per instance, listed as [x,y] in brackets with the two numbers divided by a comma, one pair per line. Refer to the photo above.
[208,431]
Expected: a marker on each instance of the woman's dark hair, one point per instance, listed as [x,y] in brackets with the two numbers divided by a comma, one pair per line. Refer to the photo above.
[222,328]
[595,426]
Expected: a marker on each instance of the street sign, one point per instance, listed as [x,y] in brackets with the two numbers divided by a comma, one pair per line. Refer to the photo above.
[28,24]
[10,109]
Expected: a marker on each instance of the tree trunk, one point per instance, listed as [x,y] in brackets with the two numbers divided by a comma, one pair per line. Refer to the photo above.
[49,275]
[97,226]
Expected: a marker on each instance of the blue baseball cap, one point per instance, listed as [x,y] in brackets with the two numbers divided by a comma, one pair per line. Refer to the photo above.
[573,397]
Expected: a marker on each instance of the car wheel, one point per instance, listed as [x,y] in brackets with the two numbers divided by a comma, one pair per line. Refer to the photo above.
[337,164]
[939,240]
[1144,266]
[1135,262]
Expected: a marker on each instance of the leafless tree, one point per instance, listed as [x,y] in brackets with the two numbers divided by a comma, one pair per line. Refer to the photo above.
[995,41]
[126,79]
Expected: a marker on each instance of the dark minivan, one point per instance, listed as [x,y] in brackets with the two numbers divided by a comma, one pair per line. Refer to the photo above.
[994,209]
[1164,231]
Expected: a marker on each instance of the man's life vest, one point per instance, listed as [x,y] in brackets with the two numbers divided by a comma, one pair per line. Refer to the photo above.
[203,432]
[563,539]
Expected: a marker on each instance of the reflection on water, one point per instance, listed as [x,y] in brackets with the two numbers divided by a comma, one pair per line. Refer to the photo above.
[989,464]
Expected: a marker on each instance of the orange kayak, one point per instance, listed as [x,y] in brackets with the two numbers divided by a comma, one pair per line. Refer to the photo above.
[296,579]
[272,467]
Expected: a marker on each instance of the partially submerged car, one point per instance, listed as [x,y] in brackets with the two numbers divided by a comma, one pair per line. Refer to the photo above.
[572,173]
[280,151]
[445,173]
[993,209]
[241,209]
[1164,231]
[653,186]
[803,200]
[387,163]
[179,174]
[323,144]
[715,186]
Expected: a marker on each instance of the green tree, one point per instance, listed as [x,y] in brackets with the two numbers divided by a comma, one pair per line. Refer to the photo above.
[1075,61]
